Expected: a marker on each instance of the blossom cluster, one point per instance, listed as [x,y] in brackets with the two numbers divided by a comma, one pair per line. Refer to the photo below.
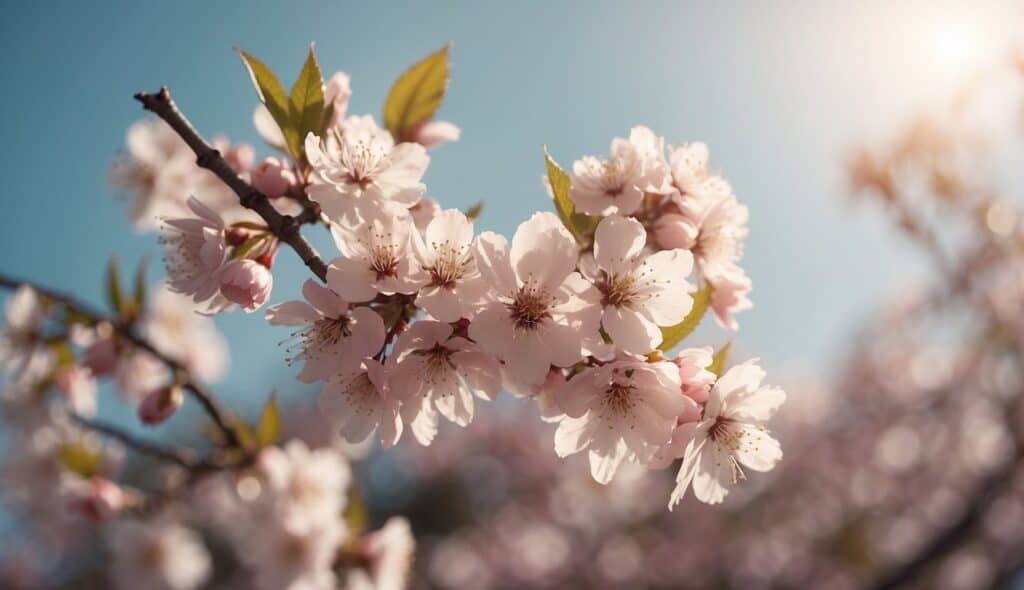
[417,317]
[420,316]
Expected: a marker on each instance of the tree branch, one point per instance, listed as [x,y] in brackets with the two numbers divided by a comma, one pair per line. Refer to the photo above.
[184,460]
[284,227]
[181,373]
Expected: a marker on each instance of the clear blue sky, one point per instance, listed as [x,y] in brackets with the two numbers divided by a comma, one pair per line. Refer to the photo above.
[779,90]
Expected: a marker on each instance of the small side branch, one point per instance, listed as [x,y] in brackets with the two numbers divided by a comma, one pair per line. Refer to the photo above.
[285,227]
[181,374]
[182,459]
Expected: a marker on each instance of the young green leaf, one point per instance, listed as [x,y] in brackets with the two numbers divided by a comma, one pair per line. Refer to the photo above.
[268,429]
[474,211]
[115,295]
[80,459]
[271,94]
[719,359]
[307,101]
[417,94]
[139,294]
[673,335]
[578,224]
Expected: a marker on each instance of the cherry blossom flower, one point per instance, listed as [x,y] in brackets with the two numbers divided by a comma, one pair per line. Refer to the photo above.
[98,499]
[692,187]
[196,252]
[624,410]
[304,485]
[639,292]
[540,308]
[423,212]
[357,402]
[730,435]
[138,373]
[363,164]
[159,171]
[157,554]
[389,554]
[445,254]
[617,185]
[334,338]
[337,92]
[431,367]
[22,351]
[247,283]
[693,366]
[78,388]
[175,329]
[293,555]
[378,257]
[729,296]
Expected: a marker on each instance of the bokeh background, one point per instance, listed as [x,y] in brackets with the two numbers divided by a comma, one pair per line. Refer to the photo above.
[780,91]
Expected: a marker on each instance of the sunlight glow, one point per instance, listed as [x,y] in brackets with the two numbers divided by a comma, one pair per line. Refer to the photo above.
[955,46]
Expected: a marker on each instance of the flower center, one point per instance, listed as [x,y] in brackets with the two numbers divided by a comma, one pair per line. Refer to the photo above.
[529,307]
[362,158]
[320,337]
[384,257]
[618,398]
[618,291]
[450,264]
[438,364]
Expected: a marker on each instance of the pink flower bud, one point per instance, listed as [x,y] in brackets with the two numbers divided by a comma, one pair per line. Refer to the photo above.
[432,134]
[102,355]
[161,404]
[675,231]
[272,178]
[337,92]
[247,283]
[99,500]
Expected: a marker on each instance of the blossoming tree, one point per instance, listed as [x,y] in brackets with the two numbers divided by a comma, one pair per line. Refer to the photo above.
[418,317]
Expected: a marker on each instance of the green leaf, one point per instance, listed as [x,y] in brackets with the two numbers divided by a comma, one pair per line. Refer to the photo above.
[139,294]
[717,365]
[271,93]
[673,335]
[578,224]
[307,102]
[244,249]
[80,459]
[417,94]
[474,211]
[115,294]
[63,356]
[356,516]
[268,429]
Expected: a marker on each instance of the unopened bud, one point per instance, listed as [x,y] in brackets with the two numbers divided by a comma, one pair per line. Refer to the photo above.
[273,178]
[236,236]
[99,500]
[161,404]
[432,134]
[247,283]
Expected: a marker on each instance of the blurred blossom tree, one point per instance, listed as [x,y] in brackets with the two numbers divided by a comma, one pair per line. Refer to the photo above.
[908,472]
[417,319]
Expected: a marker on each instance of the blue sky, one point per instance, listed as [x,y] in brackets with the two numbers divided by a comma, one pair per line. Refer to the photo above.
[779,90]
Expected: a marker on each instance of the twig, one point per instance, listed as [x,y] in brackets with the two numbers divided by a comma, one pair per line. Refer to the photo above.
[284,227]
[184,460]
[181,373]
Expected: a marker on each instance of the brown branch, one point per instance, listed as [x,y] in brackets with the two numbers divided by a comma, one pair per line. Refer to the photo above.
[182,459]
[284,227]
[181,373]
